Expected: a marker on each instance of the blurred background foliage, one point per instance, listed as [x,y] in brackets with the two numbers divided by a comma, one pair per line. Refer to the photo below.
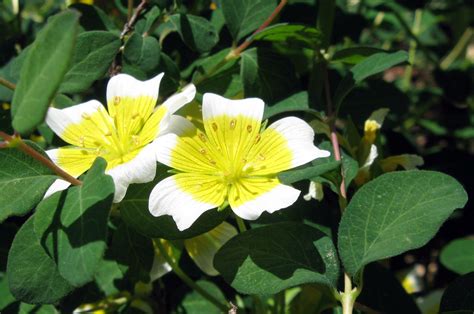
[430,100]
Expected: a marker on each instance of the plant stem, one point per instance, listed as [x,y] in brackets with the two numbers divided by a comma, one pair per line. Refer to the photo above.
[18,143]
[131,21]
[412,50]
[349,295]
[129,9]
[458,49]
[237,51]
[7,83]
[184,277]
[240,224]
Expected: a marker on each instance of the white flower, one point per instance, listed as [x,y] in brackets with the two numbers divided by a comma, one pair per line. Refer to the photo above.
[124,135]
[232,161]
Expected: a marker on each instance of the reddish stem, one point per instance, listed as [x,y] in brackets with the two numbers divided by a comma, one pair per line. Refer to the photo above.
[36,155]
[237,51]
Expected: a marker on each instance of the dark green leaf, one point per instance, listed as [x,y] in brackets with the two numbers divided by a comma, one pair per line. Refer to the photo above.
[296,102]
[135,212]
[293,176]
[142,52]
[107,276]
[194,303]
[94,54]
[11,72]
[291,34]
[267,75]
[459,296]
[72,225]
[195,31]
[272,258]
[32,274]
[245,16]
[374,64]
[354,55]
[43,70]
[394,213]
[133,252]
[458,256]
[23,182]
[7,298]
[94,18]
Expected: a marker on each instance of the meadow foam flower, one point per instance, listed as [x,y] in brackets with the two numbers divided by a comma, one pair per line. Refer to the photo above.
[124,135]
[231,161]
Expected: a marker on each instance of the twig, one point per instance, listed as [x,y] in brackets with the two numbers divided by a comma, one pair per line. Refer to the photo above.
[458,48]
[129,9]
[237,51]
[115,67]
[14,141]
[233,308]
[350,294]
[7,83]
[131,22]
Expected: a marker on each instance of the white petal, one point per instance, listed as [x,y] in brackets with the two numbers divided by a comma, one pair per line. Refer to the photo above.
[214,105]
[178,100]
[59,119]
[372,155]
[164,148]
[58,185]
[180,126]
[124,85]
[279,197]
[300,137]
[168,199]
[204,247]
[140,169]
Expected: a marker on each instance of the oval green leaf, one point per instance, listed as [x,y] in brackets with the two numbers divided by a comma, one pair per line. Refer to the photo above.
[458,256]
[43,70]
[23,182]
[32,274]
[72,225]
[394,213]
[272,258]
[93,55]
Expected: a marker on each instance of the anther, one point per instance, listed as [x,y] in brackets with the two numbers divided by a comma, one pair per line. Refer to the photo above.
[257,138]
[116,100]
[202,151]
[202,137]
[81,140]
[135,139]
[214,126]
[261,157]
[85,116]
[212,161]
[249,128]
[232,124]
[135,115]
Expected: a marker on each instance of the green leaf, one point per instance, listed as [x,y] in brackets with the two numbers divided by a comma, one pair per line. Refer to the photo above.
[458,256]
[23,182]
[383,292]
[11,72]
[394,213]
[135,212]
[195,31]
[295,35]
[459,296]
[43,70]
[133,252]
[72,225]
[108,277]
[272,258]
[194,303]
[374,64]
[32,274]
[354,55]
[267,75]
[93,55]
[293,176]
[7,298]
[142,52]
[245,16]
[296,102]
